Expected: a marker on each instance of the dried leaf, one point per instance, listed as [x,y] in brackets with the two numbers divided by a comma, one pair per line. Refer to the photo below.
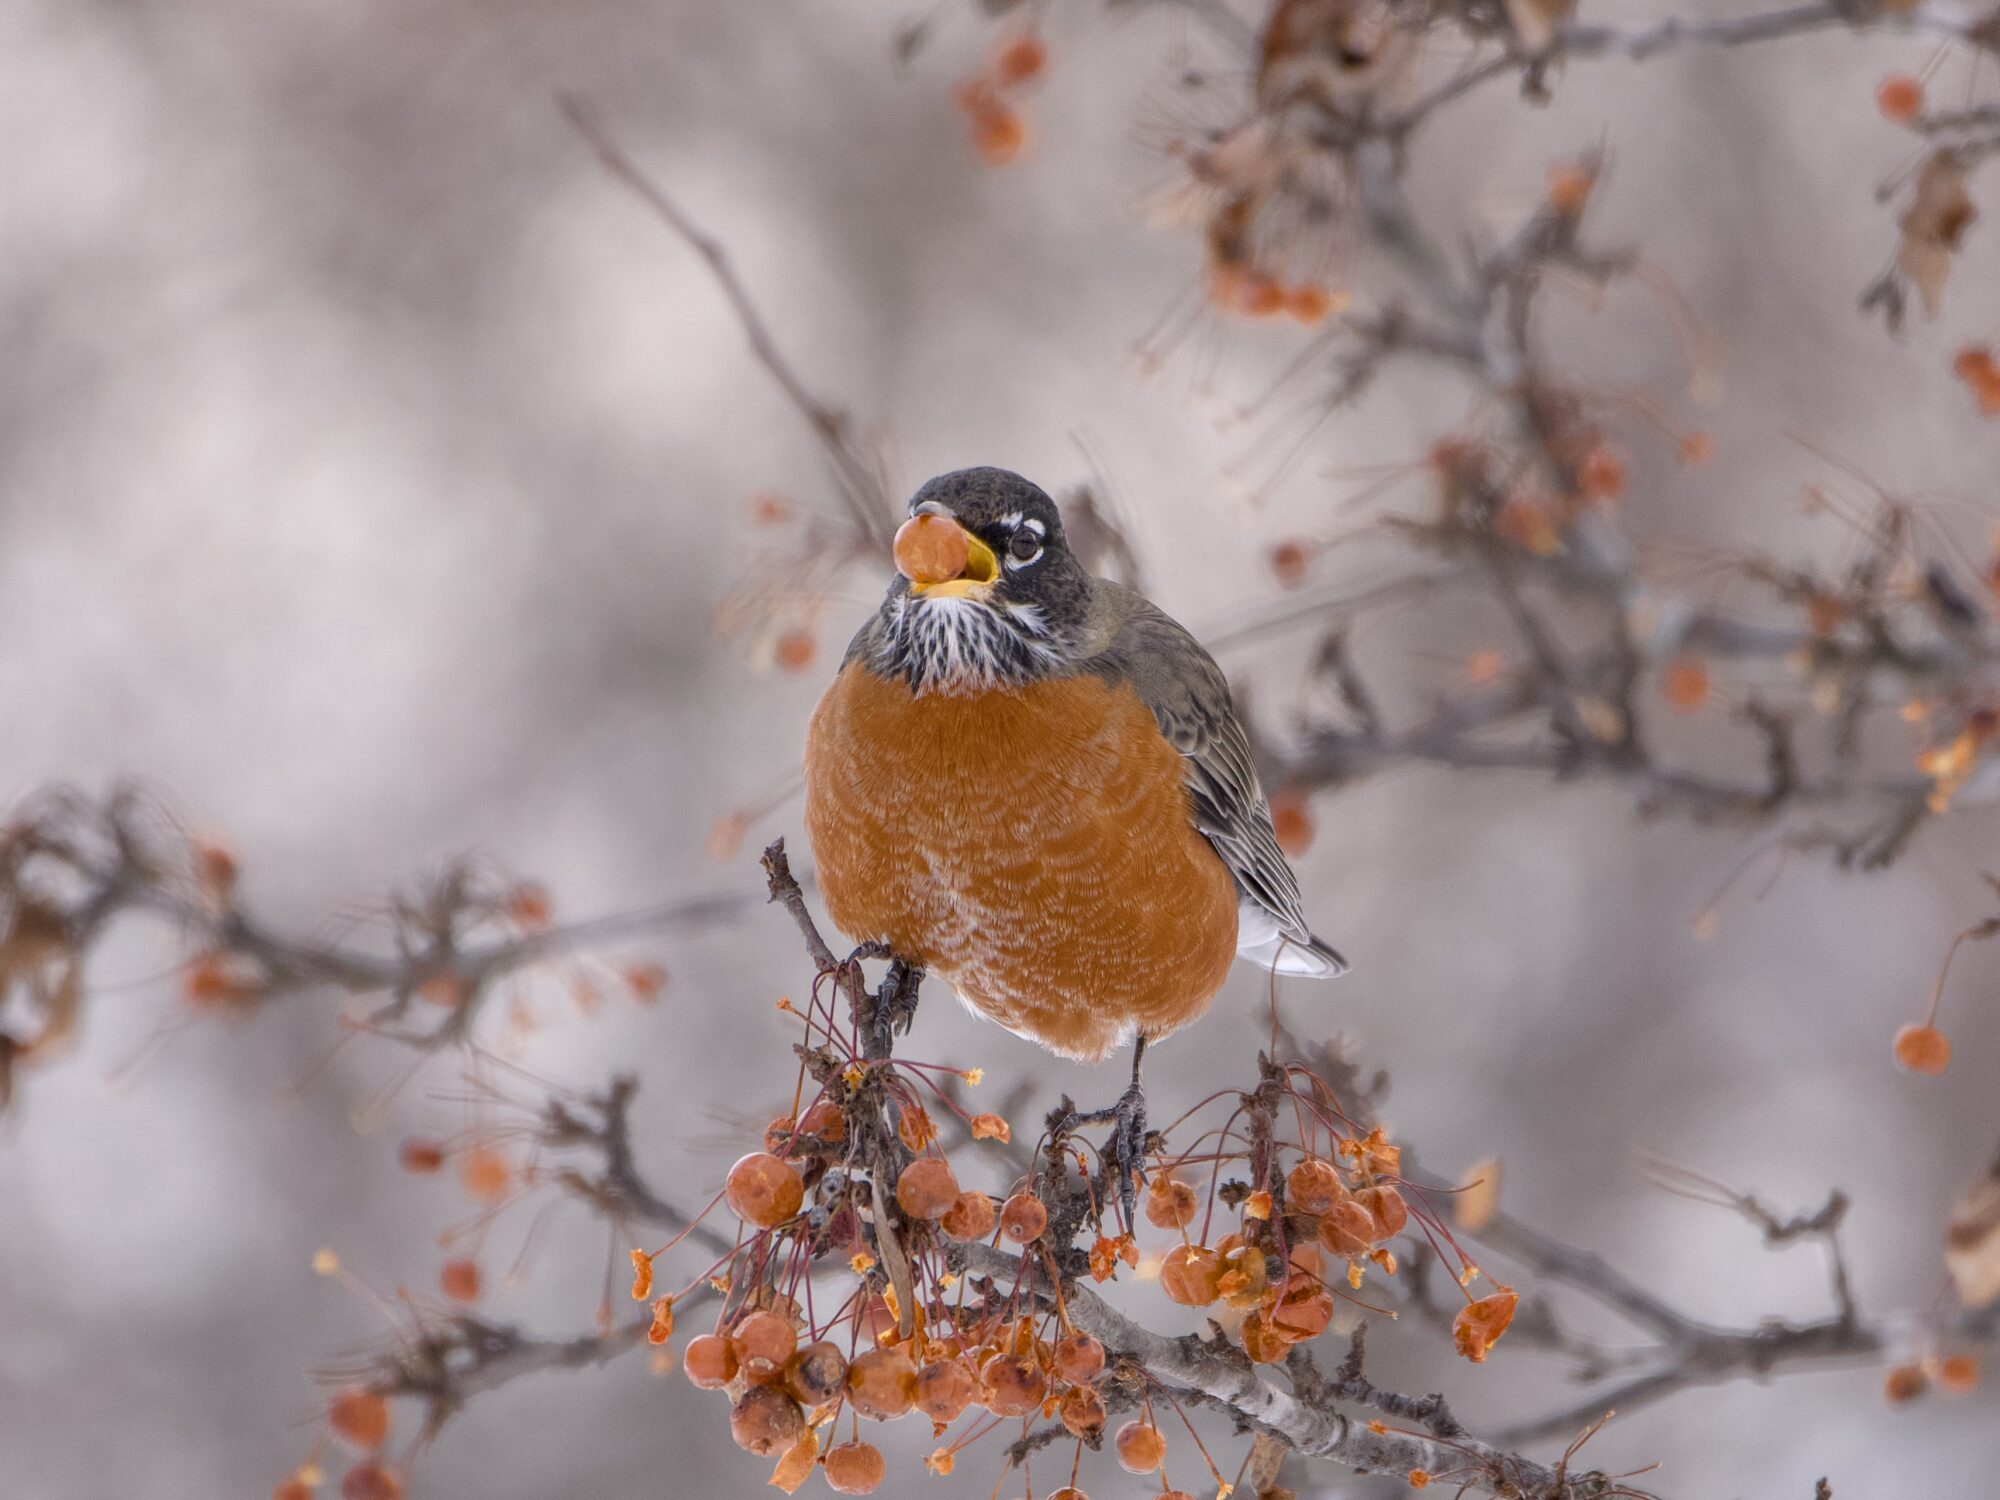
[1933,225]
[1972,1242]
[796,1467]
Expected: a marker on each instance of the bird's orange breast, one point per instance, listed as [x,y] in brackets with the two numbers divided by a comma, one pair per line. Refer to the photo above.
[1032,846]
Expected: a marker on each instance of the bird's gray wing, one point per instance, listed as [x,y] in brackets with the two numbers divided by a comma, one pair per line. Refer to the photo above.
[1189,697]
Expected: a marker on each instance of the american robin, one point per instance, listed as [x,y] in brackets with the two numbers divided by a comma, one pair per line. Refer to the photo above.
[1031,783]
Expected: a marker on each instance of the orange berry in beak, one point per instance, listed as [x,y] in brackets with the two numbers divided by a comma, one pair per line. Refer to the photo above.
[931,549]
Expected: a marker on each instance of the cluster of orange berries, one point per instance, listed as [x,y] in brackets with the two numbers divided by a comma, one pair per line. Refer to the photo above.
[789,1381]
[1253,293]
[1271,1270]
[1975,366]
[359,1419]
[988,97]
[487,1176]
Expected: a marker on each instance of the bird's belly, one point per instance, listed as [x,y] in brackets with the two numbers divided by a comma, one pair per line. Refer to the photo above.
[1033,847]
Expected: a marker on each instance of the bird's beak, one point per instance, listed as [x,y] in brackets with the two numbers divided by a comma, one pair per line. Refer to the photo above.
[973,580]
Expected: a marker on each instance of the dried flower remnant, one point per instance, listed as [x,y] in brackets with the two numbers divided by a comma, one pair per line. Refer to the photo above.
[1478,1325]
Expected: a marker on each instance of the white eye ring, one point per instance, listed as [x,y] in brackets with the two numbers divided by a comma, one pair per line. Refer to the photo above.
[1015,558]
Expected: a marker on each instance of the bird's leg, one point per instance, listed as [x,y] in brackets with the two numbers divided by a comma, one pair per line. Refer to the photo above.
[1125,1148]
[895,1006]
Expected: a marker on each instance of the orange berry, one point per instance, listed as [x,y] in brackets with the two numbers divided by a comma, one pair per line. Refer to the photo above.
[1023,1218]
[709,1361]
[1020,60]
[767,508]
[485,1174]
[882,1384]
[1082,1411]
[854,1468]
[970,1218]
[1905,1383]
[1684,682]
[1079,1358]
[1309,304]
[817,1373]
[1291,561]
[1601,475]
[1305,1310]
[794,649]
[1141,1447]
[1313,1186]
[824,1122]
[945,1387]
[999,134]
[1263,1340]
[1973,364]
[1569,185]
[420,1156]
[764,1191]
[1191,1275]
[293,1488]
[1292,822]
[766,1421]
[645,981]
[931,549]
[764,1343]
[359,1417]
[1170,1203]
[1697,448]
[1923,1049]
[1014,1384]
[371,1481]
[1958,1373]
[926,1189]
[528,905]
[1068,1492]
[1900,98]
[460,1280]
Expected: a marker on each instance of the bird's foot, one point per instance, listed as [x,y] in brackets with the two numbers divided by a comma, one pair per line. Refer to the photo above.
[1124,1151]
[895,1006]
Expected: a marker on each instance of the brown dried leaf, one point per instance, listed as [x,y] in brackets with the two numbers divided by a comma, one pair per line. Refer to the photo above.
[796,1467]
[1933,225]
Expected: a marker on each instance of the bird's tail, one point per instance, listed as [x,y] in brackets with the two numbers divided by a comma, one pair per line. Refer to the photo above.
[1284,954]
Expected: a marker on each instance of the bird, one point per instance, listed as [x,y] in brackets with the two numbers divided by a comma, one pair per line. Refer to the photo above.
[1032,783]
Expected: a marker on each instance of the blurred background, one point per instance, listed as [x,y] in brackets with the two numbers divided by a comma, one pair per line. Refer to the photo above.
[372,468]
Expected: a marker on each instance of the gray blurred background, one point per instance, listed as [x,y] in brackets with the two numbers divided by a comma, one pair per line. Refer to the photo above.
[371,468]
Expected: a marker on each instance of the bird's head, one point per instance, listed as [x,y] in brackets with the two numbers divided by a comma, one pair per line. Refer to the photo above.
[987,593]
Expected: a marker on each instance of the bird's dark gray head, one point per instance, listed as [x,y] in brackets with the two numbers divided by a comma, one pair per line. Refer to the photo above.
[1008,614]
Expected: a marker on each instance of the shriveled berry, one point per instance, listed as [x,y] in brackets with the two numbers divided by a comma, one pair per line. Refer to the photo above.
[1264,1340]
[824,1122]
[359,1417]
[882,1384]
[1014,1384]
[1305,1310]
[970,1218]
[1170,1203]
[710,1361]
[1068,1492]
[1923,1049]
[854,1468]
[763,1190]
[766,1421]
[931,549]
[817,1373]
[1245,1272]
[1191,1275]
[1347,1229]
[1023,1218]
[1314,1186]
[926,1189]
[1079,1358]
[1082,1411]
[1386,1207]
[1141,1447]
[945,1387]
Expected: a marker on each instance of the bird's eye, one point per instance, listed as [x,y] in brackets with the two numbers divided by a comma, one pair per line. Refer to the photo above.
[1025,547]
